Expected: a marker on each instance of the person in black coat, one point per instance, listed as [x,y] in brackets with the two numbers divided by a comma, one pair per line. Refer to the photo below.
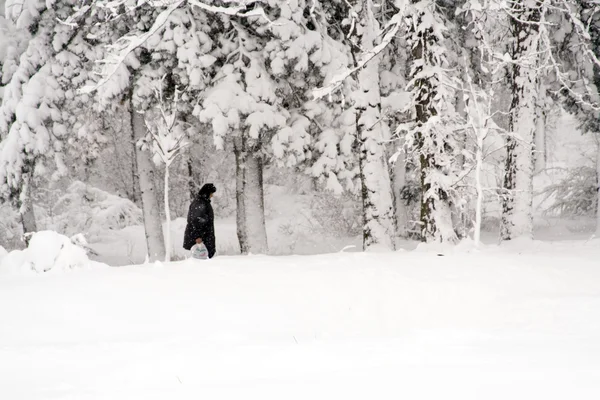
[201,221]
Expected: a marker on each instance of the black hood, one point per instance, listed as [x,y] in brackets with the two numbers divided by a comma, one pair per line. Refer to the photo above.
[207,190]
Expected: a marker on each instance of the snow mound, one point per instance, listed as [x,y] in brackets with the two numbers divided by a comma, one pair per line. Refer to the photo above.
[48,251]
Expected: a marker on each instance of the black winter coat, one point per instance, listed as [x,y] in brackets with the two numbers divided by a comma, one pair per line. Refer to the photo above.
[201,224]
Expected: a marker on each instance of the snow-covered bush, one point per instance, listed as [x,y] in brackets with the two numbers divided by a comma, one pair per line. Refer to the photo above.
[574,195]
[47,251]
[89,210]
[337,216]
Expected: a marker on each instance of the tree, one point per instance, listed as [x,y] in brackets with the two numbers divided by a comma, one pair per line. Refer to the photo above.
[431,136]
[376,194]
[517,216]
[167,143]
[35,114]
[233,22]
[357,126]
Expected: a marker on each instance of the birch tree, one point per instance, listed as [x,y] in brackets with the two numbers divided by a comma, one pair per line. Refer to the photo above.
[167,142]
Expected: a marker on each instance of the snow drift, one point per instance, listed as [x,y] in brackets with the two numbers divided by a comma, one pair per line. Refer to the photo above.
[47,251]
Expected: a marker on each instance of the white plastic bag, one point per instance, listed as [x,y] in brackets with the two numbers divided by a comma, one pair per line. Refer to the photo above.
[199,252]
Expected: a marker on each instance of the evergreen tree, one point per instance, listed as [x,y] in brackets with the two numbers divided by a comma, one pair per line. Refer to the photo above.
[432,137]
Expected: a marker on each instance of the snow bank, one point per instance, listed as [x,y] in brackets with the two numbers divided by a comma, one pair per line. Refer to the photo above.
[3,253]
[47,251]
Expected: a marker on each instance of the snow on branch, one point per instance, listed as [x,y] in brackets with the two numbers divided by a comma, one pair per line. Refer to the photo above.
[167,139]
[391,29]
[72,19]
[126,45]
[233,11]
[119,51]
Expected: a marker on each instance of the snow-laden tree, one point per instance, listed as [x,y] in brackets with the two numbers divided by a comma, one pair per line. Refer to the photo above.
[352,147]
[256,102]
[243,107]
[261,94]
[257,117]
[523,79]
[583,99]
[132,83]
[543,36]
[394,104]
[168,139]
[40,90]
[432,136]
[12,44]
[371,132]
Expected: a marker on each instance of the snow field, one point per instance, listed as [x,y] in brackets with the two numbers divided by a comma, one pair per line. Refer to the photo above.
[518,322]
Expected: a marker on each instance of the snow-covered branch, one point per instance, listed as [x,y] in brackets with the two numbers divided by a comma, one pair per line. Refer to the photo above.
[125,45]
[391,29]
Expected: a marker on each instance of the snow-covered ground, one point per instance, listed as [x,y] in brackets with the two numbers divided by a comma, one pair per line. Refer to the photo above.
[520,321]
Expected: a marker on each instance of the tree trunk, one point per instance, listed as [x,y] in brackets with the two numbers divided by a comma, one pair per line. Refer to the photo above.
[435,211]
[192,185]
[194,169]
[251,228]
[26,206]
[136,196]
[540,131]
[398,184]
[478,187]
[376,191]
[598,184]
[150,206]
[167,216]
[517,213]
[461,109]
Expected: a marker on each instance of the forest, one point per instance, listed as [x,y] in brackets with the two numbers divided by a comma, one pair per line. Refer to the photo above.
[420,120]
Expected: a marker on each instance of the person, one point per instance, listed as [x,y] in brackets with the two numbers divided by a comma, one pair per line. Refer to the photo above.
[200,226]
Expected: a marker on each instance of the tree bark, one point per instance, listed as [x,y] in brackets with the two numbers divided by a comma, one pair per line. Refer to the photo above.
[435,210]
[250,217]
[478,187]
[376,190]
[167,215]
[192,184]
[517,212]
[150,205]
[540,130]
[135,189]
[26,212]
[196,163]
[598,184]
[398,184]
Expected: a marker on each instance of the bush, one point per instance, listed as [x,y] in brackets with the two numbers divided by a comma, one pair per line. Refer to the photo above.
[89,210]
[575,195]
[337,216]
